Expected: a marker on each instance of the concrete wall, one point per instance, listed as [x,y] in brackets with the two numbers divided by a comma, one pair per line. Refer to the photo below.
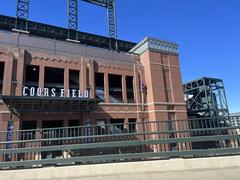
[209,168]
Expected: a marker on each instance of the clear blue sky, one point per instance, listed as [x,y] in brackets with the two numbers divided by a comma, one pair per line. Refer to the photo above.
[208,31]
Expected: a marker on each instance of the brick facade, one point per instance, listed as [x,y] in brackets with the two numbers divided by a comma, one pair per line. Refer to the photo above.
[156,68]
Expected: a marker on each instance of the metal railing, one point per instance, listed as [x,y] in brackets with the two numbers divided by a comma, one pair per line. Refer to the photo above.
[120,142]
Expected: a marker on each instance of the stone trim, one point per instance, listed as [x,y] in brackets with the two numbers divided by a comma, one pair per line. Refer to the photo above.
[164,65]
[5,112]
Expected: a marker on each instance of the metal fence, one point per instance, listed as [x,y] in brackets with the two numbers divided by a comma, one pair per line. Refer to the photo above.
[120,142]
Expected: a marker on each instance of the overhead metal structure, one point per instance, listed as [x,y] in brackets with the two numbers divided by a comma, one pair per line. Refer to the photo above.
[73,19]
[22,14]
[206,98]
[112,22]
[46,104]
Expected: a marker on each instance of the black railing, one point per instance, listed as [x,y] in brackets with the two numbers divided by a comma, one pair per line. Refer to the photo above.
[53,32]
[121,142]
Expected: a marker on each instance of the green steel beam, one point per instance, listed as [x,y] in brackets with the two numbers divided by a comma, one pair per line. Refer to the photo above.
[116,157]
[119,144]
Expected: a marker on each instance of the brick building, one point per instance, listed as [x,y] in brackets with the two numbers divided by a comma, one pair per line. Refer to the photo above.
[46,82]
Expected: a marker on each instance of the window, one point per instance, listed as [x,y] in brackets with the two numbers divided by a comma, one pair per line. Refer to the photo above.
[1,76]
[115,88]
[54,78]
[73,81]
[129,86]
[99,85]
[32,77]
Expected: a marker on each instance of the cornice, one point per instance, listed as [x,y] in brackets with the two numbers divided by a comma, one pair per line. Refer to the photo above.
[154,44]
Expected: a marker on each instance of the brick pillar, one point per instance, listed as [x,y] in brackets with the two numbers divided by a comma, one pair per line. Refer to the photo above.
[92,80]
[124,89]
[106,88]
[41,77]
[7,77]
[137,97]
[83,79]
[66,81]
[19,73]
[136,85]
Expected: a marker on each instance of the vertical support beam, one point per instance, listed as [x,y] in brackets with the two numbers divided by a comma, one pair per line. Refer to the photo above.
[106,88]
[225,100]
[206,96]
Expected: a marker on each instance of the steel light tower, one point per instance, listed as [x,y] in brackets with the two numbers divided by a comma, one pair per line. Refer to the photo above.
[111,11]
[73,19]
[23,9]
[22,14]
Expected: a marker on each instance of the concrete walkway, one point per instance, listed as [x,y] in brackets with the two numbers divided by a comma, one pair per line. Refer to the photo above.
[214,174]
[218,168]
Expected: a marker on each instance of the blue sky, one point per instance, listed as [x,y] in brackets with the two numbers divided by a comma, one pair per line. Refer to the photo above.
[208,31]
